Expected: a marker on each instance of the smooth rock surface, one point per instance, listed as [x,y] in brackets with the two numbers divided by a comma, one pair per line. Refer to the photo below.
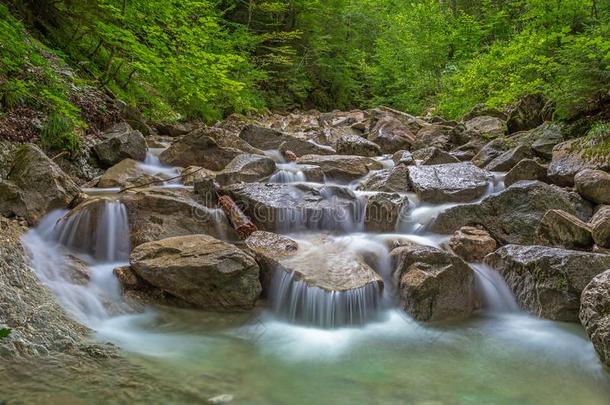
[357,145]
[513,215]
[600,226]
[454,182]
[394,180]
[548,282]
[391,135]
[595,316]
[558,228]
[201,270]
[527,169]
[246,168]
[342,167]
[594,185]
[471,243]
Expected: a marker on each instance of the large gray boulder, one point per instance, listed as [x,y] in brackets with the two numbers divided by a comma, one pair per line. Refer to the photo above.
[120,142]
[391,135]
[34,186]
[545,137]
[527,169]
[600,226]
[548,282]
[268,139]
[357,145]
[394,180]
[383,211]
[157,213]
[299,206]
[486,126]
[246,168]
[301,147]
[513,215]
[433,285]
[558,228]
[201,270]
[199,149]
[507,160]
[433,156]
[594,185]
[342,167]
[490,151]
[594,315]
[571,157]
[438,136]
[454,182]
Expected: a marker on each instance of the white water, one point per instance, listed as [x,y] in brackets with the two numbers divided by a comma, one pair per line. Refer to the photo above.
[153,166]
[287,173]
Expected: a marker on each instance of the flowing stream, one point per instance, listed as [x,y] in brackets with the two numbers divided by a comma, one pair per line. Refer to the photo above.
[287,352]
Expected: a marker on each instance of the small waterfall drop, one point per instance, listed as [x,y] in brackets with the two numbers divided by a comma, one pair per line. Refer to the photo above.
[287,173]
[496,295]
[89,243]
[153,166]
[296,301]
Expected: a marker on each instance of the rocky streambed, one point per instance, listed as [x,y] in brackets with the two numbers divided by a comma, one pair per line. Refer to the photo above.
[397,259]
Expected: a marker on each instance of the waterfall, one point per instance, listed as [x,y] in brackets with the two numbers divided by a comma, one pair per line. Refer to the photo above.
[287,173]
[98,236]
[296,301]
[495,294]
[153,166]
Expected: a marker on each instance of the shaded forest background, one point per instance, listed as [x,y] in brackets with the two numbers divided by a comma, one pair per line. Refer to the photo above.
[205,59]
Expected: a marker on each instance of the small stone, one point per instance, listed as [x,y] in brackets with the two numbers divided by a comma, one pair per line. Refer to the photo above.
[472,243]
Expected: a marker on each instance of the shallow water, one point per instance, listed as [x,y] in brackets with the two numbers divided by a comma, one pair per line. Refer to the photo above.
[503,358]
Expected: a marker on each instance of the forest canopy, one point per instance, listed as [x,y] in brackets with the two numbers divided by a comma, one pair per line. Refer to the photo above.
[205,59]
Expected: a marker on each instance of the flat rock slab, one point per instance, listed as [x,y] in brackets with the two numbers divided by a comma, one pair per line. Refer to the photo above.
[342,167]
[548,282]
[453,182]
[299,206]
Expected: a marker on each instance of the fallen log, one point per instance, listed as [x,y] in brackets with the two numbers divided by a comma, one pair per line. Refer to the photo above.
[240,221]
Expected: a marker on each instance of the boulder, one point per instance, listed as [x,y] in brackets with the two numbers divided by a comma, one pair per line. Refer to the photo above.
[387,180]
[490,151]
[120,142]
[302,147]
[262,137]
[226,139]
[513,215]
[403,157]
[394,180]
[526,169]
[383,210]
[126,173]
[438,136]
[433,285]
[298,206]
[175,129]
[507,160]
[357,145]
[571,157]
[342,167]
[246,168]
[316,280]
[454,182]
[158,213]
[545,137]
[600,226]
[594,315]
[594,185]
[548,282]
[199,149]
[558,228]
[316,261]
[34,186]
[487,127]
[433,156]
[410,122]
[391,135]
[472,243]
[531,111]
[193,174]
[201,270]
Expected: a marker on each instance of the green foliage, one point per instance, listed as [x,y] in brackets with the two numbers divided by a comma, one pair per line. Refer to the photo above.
[4,332]
[596,144]
[58,133]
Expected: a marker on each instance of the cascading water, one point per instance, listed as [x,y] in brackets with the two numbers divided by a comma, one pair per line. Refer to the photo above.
[287,173]
[99,236]
[296,301]
[494,292]
[153,166]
